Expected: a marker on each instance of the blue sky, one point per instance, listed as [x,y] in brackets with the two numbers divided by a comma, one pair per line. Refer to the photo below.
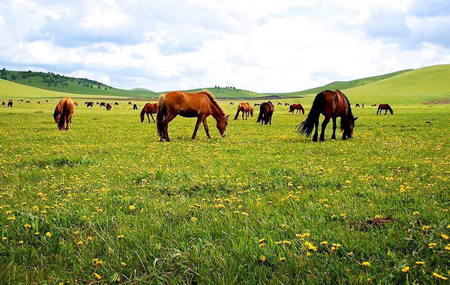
[264,46]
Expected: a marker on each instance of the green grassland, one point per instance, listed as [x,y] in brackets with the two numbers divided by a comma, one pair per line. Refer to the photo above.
[106,201]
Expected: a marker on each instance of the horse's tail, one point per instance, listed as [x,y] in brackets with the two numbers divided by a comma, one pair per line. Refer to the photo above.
[161,114]
[306,127]
[261,113]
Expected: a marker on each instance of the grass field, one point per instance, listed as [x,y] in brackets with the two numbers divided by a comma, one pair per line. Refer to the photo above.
[106,202]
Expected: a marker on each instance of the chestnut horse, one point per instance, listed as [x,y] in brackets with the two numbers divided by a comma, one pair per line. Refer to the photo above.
[286,104]
[331,104]
[108,106]
[296,108]
[149,108]
[200,105]
[265,113]
[63,113]
[246,110]
[385,107]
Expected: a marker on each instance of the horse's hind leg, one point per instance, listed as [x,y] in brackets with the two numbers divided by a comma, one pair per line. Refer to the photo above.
[324,126]
[166,121]
[333,137]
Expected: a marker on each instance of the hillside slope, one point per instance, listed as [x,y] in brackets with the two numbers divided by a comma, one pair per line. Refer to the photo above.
[415,86]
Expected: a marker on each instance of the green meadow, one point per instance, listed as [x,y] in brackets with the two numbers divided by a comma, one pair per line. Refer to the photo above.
[107,203]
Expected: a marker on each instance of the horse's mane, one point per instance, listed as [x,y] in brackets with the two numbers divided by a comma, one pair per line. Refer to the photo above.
[213,100]
[349,113]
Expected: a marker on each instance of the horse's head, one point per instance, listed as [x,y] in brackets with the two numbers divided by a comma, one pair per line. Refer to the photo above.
[348,130]
[251,112]
[222,124]
[142,117]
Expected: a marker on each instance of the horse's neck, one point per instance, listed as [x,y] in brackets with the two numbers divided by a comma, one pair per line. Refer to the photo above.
[215,112]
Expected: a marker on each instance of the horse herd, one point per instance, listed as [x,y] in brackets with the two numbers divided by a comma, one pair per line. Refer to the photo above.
[330,104]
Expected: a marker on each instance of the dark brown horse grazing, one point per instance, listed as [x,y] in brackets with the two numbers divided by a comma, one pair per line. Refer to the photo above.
[108,107]
[90,104]
[331,104]
[374,105]
[286,104]
[63,113]
[3,103]
[116,103]
[357,106]
[246,110]
[102,104]
[265,113]
[296,108]
[135,107]
[280,104]
[385,107]
[200,105]
[149,108]
[10,104]
[231,103]
[129,103]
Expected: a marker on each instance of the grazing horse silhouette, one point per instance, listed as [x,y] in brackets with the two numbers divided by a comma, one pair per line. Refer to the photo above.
[374,105]
[357,106]
[385,107]
[90,104]
[280,104]
[135,107]
[63,113]
[331,104]
[108,107]
[201,105]
[149,108]
[102,104]
[116,103]
[10,104]
[286,104]
[246,110]
[3,103]
[129,103]
[39,102]
[296,108]
[231,103]
[265,113]
[256,104]
[362,105]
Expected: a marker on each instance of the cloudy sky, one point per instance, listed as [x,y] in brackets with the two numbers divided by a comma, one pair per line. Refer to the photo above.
[264,46]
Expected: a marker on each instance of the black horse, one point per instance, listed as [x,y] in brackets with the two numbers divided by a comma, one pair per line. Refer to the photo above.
[265,113]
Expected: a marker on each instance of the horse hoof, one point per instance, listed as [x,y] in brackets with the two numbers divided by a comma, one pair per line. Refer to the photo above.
[322,139]
[314,139]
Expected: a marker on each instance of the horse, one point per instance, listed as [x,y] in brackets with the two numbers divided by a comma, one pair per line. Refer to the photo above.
[280,104]
[89,104]
[331,104]
[362,105]
[63,113]
[246,110]
[231,103]
[28,102]
[287,104]
[135,107]
[39,102]
[75,103]
[108,107]
[201,105]
[10,104]
[3,103]
[116,103]
[102,104]
[256,104]
[149,108]
[46,101]
[357,106]
[374,105]
[129,103]
[265,113]
[296,108]
[385,107]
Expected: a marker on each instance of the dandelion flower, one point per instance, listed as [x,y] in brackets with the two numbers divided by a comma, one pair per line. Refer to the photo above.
[366,263]
[405,269]
[193,219]
[438,276]
[97,276]
[444,236]
[420,262]
[262,258]
[132,207]
[48,234]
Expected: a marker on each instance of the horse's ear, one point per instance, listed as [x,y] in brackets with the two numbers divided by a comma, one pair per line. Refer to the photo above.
[355,119]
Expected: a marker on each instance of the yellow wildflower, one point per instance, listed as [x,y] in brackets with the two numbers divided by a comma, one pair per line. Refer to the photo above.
[405,269]
[420,262]
[438,276]
[262,258]
[366,263]
[48,234]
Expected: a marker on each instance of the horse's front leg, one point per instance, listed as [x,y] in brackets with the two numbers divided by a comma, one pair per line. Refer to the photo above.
[333,137]
[197,124]
[324,126]
[152,118]
[205,125]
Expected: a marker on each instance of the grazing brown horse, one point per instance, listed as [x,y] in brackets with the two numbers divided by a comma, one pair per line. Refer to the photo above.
[28,102]
[385,107]
[357,106]
[3,103]
[231,103]
[280,104]
[286,104]
[296,108]
[102,104]
[108,107]
[10,104]
[265,113]
[135,107]
[129,103]
[200,105]
[374,105]
[75,103]
[39,102]
[246,110]
[63,113]
[149,108]
[116,103]
[331,104]
[90,104]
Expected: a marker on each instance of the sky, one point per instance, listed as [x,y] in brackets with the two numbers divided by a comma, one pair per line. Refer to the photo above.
[263,46]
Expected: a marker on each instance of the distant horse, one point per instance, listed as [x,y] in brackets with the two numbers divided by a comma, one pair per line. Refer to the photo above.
[46,101]
[97,103]
[362,105]
[357,106]
[231,103]
[63,113]
[108,107]
[3,103]
[385,107]
[374,105]
[129,103]
[103,104]
[28,102]
[39,102]
[201,105]
[280,104]
[331,104]
[256,104]
[246,110]
[296,108]
[75,103]
[10,104]
[265,113]
[135,107]
[149,108]
[116,103]
[21,100]
[286,104]
[90,104]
